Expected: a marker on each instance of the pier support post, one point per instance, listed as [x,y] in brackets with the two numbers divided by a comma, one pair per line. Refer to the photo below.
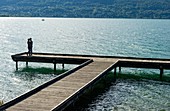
[115,72]
[119,69]
[27,64]
[63,65]
[54,67]
[161,72]
[17,65]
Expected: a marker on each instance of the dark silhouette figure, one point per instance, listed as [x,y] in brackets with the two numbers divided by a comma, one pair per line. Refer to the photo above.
[30,45]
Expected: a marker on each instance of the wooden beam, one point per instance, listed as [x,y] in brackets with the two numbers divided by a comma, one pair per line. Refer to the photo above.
[161,72]
[115,72]
[54,67]
[26,63]
[119,69]
[16,65]
[63,65]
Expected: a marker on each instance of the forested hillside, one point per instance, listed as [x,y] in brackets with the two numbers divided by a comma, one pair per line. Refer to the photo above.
[87,8]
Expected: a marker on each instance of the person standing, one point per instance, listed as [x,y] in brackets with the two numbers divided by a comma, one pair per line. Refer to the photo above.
[30,45]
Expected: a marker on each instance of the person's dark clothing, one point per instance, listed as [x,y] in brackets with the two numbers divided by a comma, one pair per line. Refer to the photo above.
[30,45]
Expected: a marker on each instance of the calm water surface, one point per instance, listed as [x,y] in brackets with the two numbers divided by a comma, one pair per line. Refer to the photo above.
[117,37]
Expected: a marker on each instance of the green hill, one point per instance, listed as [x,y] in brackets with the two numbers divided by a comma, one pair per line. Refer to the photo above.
[87,8]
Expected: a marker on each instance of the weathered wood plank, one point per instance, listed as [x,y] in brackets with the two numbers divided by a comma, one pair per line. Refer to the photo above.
[63,92]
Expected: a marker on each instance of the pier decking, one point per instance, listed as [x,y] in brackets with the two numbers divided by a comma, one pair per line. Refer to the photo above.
[58,93]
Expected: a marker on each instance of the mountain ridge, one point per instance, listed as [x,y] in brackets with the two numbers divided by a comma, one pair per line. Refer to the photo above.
[152,9]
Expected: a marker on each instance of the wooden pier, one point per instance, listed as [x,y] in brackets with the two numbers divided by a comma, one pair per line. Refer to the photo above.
[61,91]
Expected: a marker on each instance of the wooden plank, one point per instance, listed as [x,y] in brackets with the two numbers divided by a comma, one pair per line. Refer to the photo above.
[65,91]
[58,92]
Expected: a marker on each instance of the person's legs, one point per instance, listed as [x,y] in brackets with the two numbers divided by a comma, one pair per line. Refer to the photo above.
[30,51]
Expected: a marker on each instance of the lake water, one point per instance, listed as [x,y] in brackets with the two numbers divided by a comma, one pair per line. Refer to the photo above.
[113,37]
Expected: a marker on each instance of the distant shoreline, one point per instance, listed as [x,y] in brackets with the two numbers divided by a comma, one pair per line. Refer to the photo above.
[41,17]
[135,9]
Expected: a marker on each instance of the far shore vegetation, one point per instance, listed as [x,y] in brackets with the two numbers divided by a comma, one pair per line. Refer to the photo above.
[147,9]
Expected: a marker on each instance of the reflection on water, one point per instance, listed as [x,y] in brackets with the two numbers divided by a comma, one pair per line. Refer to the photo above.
[117,37]
[133,95]
[32,73]
[27,78]
[138,73]
[128,93]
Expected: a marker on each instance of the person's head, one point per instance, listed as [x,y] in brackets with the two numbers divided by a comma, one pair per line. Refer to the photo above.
[30,39]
